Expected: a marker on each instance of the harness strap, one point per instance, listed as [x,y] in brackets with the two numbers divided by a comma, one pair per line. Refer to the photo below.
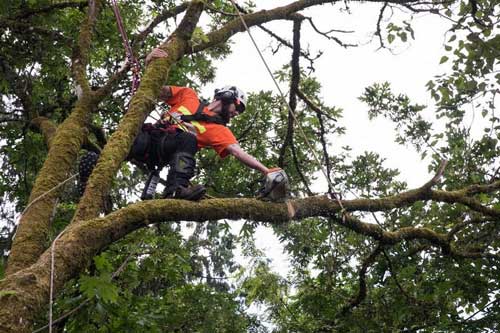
[200,116]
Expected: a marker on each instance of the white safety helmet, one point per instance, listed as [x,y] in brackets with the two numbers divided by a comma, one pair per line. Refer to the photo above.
[232,94]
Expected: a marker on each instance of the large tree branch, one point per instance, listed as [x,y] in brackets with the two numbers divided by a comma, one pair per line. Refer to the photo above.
[80,57]
[25,292]
[32,232]
[231,28]
[99,184]
[254,19]
[46,127]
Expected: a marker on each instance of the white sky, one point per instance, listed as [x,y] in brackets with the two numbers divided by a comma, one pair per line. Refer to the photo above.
[344,73]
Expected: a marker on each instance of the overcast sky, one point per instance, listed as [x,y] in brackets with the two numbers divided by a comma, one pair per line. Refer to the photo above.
[344,73]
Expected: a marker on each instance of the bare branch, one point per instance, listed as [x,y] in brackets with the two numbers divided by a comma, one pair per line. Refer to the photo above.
[81,51]
[329,36]
[106,89]
[165,15]
[319,115]
[294,86]
[355,301]
[378,32]
[286,43]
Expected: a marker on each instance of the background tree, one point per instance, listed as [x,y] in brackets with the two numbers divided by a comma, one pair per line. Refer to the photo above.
[383,258]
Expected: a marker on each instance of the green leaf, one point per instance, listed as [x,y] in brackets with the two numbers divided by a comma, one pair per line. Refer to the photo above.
[100,287]
[390,38]
[443,59]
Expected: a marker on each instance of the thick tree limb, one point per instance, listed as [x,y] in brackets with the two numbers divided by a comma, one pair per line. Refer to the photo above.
[81,241]
[32,232]
[80,57]
[27,289]
[116,150]
[253,19]
[46,127]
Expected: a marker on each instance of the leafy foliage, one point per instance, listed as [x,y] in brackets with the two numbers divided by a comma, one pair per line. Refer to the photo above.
[176,276]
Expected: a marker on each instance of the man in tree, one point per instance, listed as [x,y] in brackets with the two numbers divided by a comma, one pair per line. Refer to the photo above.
[190,125]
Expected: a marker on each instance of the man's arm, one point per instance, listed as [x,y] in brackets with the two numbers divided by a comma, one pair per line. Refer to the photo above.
[246,158]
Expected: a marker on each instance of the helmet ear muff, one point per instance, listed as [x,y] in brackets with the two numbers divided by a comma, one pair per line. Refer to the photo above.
[231,94]
[226,95]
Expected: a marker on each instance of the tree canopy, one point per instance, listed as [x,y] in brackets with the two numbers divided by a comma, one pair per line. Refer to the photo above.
[371,254]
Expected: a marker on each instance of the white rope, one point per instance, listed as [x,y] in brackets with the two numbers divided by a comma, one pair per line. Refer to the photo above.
[289,108]
[44,194]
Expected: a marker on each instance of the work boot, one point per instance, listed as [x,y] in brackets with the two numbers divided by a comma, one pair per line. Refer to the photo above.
[192,193]
[182,166]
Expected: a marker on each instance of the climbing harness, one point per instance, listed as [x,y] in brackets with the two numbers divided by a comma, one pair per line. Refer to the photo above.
[132,60]
[200,116]
[290,110]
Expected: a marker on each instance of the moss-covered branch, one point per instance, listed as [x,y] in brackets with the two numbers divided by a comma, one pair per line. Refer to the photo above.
[32,233]
[46,127]
[141,104]
[81,52]
[26,292]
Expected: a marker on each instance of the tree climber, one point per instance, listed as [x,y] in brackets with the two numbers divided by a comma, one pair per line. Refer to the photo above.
[188,126]
[195,126]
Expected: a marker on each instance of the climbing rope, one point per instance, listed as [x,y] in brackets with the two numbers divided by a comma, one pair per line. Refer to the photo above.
[135,66]
[44,194]
[335,196]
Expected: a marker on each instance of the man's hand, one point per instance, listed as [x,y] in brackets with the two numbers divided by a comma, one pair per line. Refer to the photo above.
[155,54]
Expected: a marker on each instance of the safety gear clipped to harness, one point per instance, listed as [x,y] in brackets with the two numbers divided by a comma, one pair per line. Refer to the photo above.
[276,186]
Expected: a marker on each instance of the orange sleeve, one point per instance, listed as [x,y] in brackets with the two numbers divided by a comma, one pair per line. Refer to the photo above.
[221,138]
[180,95]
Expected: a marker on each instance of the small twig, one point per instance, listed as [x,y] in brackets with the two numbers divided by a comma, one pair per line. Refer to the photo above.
[328,36]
